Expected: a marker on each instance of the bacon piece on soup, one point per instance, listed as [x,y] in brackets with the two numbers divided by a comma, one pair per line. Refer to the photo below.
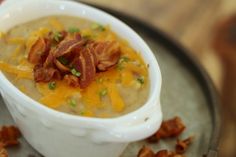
[67,46]
[107,54]
[64,47]
[85,64]
[169,128]
[9,136]
[38,50]
[60,66]
[182,145]
[71,80]
[42,74]
[57,37]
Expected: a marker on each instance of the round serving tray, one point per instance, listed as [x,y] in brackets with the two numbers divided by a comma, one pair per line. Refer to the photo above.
[187,92]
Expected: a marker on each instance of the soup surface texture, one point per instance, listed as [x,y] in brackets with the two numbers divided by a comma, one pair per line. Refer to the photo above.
[74,66]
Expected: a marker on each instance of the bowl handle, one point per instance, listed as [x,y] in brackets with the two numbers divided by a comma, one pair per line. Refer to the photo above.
[138,129]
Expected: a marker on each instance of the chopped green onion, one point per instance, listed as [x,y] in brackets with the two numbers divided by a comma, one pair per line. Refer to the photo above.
[57,36]
[82,113]
[99,80]
[75,72]
[52,85]
[140,80]
[72,103]
[103,92]
[123,59]
[119,67]
[86,36]
[97,26]
[63,60]
[73,30]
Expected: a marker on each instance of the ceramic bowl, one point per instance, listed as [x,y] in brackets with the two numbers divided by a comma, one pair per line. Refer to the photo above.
[57,134]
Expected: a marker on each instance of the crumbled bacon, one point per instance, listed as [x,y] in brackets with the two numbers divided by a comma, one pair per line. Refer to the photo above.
[86,65]
[9,136]
[162,153]
[85,56]
[60,66]
[146,152]
[37,51]
[107,54]
[182,145]
[71,80]
[170,128]
[3,151]
[42,74]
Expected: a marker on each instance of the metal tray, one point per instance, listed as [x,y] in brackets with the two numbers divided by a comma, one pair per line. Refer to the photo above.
[186,92]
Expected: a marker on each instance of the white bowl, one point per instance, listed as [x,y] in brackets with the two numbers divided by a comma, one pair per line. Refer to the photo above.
[57,134]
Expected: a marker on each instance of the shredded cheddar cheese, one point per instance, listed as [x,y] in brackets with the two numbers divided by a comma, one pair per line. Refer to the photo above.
[56,24]
[16,40]
[58,96]
[117,102]
[15,54]
[2,35]
[33,37]
[19,72]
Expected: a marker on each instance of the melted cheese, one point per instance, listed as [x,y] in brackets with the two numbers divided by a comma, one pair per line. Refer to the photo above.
[56,24]
[15,40]
[17,70]
[58,96]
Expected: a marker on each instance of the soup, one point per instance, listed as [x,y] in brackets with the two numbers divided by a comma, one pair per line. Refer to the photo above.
[74,66]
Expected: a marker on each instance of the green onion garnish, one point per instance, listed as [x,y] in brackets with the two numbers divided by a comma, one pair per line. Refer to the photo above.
[98,27]
[57,36]
[103,92]
[140,80]
[63,60]
[119,67]
[75,72]
[99,80]
[73,30]
[72,103]
[86,37]
[82,113]
[123,59]
[52,85]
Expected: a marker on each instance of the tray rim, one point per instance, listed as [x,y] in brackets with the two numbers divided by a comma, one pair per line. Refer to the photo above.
[194,67]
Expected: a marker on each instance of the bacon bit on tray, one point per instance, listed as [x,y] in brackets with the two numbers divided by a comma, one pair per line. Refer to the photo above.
[55,56]
[170,128]
[3,151]
[162,153]
[147,152]
[9,136]
[182,145]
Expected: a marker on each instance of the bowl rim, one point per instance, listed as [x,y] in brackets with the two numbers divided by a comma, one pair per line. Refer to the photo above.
[154,97]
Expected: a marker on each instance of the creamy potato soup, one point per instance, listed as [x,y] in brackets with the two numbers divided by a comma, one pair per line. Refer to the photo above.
[74,66]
